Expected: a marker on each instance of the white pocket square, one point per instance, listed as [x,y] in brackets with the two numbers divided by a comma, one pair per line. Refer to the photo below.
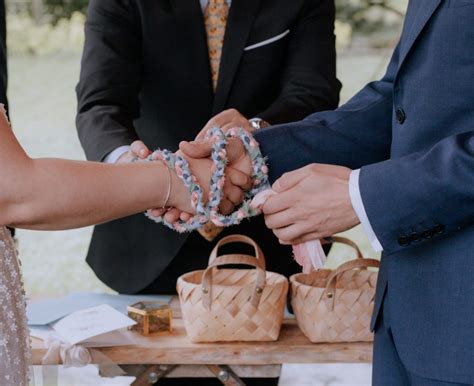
[267,41]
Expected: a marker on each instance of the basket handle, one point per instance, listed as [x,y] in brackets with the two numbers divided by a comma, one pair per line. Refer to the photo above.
[238,239]
[345,241]
[258,262]
[329,292]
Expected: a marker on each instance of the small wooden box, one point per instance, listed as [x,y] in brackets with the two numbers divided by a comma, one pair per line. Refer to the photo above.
[152,317]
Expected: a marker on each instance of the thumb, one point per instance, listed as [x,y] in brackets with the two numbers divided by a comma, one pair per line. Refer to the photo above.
[196,149]
[140,149]
[289,180]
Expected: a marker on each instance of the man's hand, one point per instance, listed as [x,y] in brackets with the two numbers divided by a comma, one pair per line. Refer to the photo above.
[226,120]
[312,203]
[137,150]
[236,154]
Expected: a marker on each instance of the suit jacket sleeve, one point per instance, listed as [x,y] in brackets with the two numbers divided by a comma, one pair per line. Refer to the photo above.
[109,83]
[356,134]
[431,193]
[309,82]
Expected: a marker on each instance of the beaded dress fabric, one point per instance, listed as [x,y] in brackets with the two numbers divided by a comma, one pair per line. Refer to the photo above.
[14,335]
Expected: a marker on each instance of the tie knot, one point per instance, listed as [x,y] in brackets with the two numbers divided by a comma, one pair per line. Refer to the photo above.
[217,2]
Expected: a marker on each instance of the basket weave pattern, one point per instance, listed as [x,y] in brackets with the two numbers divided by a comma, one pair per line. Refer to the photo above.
[236,309]
[336,306]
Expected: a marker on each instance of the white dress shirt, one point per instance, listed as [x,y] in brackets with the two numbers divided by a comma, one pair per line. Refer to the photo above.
[358,205]
[354,190]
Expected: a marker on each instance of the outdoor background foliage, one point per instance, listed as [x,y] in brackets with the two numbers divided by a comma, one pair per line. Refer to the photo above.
[41,27]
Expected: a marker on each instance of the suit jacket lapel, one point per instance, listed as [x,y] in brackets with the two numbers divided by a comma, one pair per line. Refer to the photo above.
[422,12]
[242,15]
[189,18]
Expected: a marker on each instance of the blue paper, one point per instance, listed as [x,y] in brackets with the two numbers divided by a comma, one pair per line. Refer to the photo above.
[44,312]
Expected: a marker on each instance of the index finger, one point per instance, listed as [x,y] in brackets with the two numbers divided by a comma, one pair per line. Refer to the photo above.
[277,203]
[289,180]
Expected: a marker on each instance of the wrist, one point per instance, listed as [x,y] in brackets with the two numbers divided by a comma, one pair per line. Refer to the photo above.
[170,189]
[178,192]
[352,216]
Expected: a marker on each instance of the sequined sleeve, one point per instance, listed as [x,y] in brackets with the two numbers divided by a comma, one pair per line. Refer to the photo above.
[14,336]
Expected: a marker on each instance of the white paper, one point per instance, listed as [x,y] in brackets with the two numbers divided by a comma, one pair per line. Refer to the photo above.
[82,326]
[47,311]
[121,337]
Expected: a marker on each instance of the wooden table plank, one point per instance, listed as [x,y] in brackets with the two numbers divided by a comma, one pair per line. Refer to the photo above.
[175,348]
[292,347]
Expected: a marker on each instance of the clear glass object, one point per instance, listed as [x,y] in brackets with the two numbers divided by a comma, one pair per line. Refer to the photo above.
[152,317]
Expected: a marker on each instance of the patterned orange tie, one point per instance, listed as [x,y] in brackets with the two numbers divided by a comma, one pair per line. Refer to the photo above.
[215,20]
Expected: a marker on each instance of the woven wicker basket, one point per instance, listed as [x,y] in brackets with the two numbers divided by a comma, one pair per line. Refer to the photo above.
[233,304]
[336,305]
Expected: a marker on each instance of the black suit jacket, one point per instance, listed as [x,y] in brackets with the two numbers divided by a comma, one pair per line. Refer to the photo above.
[145,75]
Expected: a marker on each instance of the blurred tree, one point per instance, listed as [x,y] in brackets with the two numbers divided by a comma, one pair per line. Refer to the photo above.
[57,9]
[357,13]
[37,10]
[368,15]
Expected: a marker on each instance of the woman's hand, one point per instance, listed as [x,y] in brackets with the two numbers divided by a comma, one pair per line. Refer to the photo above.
[237,180]
[236,154]
[236,183]
[179,199]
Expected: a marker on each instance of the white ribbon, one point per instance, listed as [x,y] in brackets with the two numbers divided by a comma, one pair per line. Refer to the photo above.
[70,355]
[73,356]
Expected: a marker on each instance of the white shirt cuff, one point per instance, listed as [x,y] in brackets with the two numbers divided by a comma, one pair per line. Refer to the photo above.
[114,155]
[358,205]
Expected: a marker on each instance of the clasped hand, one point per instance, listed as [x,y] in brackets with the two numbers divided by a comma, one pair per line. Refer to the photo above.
[311,203]
[236,183]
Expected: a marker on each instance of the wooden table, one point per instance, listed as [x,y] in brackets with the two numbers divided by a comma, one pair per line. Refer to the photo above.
[248,359]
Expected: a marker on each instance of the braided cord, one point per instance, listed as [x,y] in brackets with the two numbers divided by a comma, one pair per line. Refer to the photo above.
[210,212]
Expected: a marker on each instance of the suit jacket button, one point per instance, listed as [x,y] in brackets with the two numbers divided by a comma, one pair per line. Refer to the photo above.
[400,116]
[427,234]
[439,229]
[404,241]
[415,237]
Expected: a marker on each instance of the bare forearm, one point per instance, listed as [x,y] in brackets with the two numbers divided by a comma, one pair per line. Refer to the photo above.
[60,194]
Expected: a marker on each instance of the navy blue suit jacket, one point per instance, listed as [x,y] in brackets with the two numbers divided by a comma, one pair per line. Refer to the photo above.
[412,133]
